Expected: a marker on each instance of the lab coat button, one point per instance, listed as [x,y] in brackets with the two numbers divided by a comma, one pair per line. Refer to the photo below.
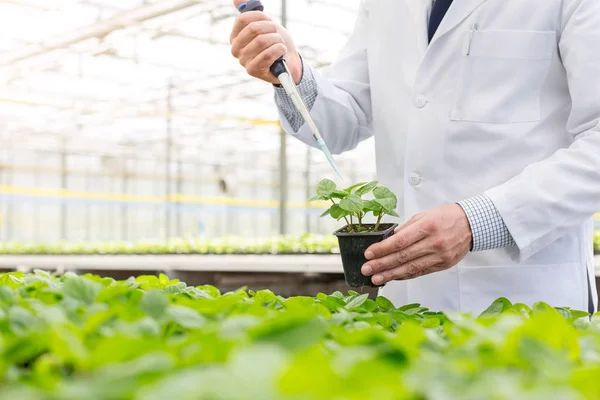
[414,179]
[420,101]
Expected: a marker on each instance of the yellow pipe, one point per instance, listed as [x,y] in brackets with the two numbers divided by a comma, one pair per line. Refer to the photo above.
[134,175]
[197,116]
[175,198]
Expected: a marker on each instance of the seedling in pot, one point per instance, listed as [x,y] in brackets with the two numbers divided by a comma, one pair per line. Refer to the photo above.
[350,205]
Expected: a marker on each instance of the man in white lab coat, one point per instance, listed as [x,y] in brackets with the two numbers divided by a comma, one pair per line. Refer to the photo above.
[486,117]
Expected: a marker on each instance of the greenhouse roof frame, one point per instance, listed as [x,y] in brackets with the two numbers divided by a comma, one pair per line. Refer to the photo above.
[94,77]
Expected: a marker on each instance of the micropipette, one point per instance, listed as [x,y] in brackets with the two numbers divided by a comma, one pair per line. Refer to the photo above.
[280,70]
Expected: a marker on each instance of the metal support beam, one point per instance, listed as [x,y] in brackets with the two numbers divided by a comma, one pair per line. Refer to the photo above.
[179,190]
[283,165]
[125,207]
[4,203]
[168,159]
[36,209]
[309,189]
[283,183]
[88,207]
[63,185]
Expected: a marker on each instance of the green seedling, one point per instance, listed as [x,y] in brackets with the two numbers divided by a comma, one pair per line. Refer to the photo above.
[351,205]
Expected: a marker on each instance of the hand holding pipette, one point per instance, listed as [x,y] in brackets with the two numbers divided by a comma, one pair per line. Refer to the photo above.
[274,58]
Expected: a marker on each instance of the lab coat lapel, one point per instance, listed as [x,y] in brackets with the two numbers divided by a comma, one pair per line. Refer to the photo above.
[457,13]
[419,10]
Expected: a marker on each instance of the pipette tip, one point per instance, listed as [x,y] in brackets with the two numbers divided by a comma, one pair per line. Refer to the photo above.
[330,158]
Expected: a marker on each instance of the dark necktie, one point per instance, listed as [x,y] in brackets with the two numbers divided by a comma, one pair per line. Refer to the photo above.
[440,8]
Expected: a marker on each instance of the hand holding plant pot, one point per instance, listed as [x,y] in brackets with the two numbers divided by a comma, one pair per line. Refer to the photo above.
[357,236]
[430,242]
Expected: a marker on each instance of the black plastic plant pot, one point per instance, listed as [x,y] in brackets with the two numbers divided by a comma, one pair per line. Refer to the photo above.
[352,248]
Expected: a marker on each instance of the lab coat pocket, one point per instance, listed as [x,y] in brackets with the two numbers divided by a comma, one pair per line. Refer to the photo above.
[502,75]
[559,285]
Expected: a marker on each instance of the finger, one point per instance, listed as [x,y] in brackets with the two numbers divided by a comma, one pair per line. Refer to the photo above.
[417,250]
[250,33]
[244,20]
[258,45]
[412,268]
[260,66]
[399,241]
[409,222]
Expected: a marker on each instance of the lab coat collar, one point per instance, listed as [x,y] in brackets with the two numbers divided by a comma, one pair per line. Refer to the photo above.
[420,10]
[457,13]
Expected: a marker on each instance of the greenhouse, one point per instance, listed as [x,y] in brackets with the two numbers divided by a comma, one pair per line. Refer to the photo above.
[299,200]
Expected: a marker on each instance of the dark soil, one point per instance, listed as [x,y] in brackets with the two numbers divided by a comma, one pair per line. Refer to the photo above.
[366,228]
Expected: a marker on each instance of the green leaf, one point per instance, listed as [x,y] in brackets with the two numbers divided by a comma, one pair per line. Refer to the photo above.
[338,212]
[154,304]
[321,296]
[352,204]
[541,307]
[384,320]
[415,310]
[577,314]
[318,198]
[366,188]
[388,204]
[210,290]
[81,289]
[393,213]
[384,304]
[374,207]
[326,213]
[356,301]
[498,307]
[381,192]
[332,303]
[369,305]
[186,317]
[291,333]
[164,280]
[409,307]
[339,194]
[351,188]
[431,323]
[566,314]
[264,296]
[7,296]
[325,188]
[338,300]
[176,288]
[21,320]
[299,302]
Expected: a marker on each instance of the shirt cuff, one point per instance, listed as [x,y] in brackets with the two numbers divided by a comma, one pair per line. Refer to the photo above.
[308,92]
[487,226]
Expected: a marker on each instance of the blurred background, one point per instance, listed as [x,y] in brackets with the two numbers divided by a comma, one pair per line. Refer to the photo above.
[129,120]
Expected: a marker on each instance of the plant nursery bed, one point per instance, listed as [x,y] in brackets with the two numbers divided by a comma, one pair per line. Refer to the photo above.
[216,263]
[154,338]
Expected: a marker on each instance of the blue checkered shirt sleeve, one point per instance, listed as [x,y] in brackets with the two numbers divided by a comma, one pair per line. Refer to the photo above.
[308,92]
[487,226]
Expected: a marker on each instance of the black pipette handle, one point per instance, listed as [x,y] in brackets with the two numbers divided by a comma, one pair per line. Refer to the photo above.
[278,66]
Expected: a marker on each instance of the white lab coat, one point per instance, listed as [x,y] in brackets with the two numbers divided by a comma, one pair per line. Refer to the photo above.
[504,101]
